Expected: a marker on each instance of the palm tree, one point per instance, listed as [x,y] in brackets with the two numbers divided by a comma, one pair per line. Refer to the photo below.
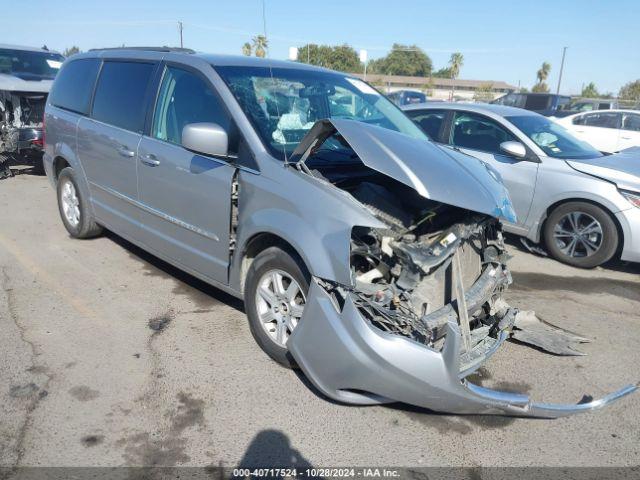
[543,73]
[246,49]
[260,45]
[455,64]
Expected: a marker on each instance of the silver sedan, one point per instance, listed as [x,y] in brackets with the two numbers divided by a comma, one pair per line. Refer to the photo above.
[582,205]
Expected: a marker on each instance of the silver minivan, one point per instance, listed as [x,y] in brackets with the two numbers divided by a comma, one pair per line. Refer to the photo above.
[365,255]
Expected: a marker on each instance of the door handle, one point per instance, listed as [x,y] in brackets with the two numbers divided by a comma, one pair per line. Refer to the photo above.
[626,138]
[124,151]
[150,159]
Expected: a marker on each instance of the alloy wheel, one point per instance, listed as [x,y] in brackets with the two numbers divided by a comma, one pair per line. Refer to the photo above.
[578,234]
[70,203]
[280,303]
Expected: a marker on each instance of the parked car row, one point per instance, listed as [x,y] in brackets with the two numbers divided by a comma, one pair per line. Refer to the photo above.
[553,105]
[367,255]
[26,75]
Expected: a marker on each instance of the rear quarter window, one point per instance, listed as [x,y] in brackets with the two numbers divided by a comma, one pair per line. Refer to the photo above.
[121,94]
[73,86]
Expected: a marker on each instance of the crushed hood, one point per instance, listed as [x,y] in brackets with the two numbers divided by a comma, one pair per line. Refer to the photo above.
[623,168]
[13,83]
[444,176]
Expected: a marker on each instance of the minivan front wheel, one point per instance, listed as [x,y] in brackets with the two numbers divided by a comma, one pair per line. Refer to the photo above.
[581,234]
[74,208]
[275,295]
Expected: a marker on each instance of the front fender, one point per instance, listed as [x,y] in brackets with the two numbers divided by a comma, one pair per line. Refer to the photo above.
[311,215]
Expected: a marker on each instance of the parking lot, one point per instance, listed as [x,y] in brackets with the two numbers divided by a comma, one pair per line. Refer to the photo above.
[108,356]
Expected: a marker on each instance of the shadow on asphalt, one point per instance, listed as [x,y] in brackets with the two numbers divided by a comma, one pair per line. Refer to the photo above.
[614,264]
[272,448]
[201,292]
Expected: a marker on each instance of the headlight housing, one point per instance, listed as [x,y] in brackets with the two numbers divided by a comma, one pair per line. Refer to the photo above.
[633,197]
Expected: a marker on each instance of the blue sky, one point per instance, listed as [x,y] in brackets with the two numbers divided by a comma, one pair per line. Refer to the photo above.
[500,40]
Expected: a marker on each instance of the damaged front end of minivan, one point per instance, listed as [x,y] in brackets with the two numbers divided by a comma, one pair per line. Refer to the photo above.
[424,308]
[21,116]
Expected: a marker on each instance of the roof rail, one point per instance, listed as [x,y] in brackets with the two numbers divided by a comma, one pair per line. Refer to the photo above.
[148,49]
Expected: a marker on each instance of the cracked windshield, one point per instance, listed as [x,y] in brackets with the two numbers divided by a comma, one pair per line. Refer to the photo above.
[283,104]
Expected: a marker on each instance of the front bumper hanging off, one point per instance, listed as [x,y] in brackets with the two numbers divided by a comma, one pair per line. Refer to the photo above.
[351,361]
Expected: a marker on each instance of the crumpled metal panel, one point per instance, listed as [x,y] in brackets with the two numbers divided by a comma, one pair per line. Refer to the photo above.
[445,176]
[622,168]
[351,361]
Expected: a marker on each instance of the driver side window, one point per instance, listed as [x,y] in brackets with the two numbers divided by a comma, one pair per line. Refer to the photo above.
[477,132]
[185,98]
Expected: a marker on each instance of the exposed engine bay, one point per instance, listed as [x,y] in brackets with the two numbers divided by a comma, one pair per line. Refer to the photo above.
[21,116]
[411,278]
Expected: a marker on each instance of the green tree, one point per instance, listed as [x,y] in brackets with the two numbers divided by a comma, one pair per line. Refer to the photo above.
[428,88]
[344,59]
[70,51]
[630,91]
[314,54]
[340,57]
[403,60]
[541,76]
[260,45]
[444,72]
[541,87]
[590,91]
[523,90]
[455,64]
[246,49]
[484,93]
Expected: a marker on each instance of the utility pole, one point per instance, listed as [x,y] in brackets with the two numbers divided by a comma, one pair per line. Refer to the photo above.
[363,59]
[564,51]
[180,30]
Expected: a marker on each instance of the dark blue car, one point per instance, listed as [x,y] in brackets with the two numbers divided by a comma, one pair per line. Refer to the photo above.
[547,104]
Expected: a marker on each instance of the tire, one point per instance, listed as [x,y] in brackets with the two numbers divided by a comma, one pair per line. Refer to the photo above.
[270,260]
[85,227]
[603,234]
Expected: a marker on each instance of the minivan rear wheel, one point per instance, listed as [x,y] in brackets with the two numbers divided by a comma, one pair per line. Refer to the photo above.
[581,234]
[74,208]
[275,293]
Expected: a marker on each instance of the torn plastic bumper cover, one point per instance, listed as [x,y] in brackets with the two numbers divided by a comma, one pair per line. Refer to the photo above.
[351,361]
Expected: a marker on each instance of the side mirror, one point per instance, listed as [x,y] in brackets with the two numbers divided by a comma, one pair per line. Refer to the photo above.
[514,149]
[206,138]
